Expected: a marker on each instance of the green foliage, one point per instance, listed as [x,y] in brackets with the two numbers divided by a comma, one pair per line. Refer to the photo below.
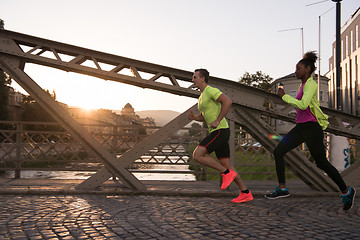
[258,80]
[195,129]
[5,82]
[34,112]
[251,164]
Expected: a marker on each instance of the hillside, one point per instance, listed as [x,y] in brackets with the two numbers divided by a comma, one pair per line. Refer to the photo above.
[161,117]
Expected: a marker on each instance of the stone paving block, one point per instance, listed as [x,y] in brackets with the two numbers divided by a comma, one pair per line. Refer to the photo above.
[156,217]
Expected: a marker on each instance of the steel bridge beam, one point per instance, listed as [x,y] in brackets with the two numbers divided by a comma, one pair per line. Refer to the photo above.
[109,67]
[295,159]
[139,149]
[29,49]
[11,64]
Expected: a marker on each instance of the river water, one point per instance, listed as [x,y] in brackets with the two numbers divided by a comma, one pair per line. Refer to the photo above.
[141,176]
[84,175]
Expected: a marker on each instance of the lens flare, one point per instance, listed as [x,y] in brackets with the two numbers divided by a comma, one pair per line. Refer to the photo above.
[273,136]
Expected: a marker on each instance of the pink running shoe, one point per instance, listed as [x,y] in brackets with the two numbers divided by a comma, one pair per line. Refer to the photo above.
[227,179]
[243,197]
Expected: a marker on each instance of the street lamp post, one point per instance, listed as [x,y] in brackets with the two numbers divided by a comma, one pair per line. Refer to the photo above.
[338,55]
[302,37]
[319,72]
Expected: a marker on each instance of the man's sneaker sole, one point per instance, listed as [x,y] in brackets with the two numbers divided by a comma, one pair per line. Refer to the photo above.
[283,196]
[246,200]
[243,197]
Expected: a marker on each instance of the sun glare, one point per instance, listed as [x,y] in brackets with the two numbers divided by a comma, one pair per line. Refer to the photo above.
[88,108]
[90,93]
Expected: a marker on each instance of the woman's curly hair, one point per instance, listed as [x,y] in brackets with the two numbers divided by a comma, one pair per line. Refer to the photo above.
[309,59]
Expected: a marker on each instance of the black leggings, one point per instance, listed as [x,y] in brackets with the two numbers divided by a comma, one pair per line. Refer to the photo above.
[312,134]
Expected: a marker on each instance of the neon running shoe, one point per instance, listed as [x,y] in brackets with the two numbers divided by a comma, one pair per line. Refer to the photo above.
[227,179]
[243,197]
[278,193]
[348,199]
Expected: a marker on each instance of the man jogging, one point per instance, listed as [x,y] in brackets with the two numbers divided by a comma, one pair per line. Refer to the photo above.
[213,106]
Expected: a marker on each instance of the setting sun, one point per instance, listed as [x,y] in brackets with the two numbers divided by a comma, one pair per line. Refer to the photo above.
[82,91]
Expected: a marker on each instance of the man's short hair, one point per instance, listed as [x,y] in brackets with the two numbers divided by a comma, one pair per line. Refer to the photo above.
[203,73]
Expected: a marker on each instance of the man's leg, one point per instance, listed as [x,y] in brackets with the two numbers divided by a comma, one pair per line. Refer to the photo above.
[200,155]
[215,142]
[227,164]
[245,194]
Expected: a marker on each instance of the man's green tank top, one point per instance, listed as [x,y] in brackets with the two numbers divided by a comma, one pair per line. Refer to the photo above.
[210,108]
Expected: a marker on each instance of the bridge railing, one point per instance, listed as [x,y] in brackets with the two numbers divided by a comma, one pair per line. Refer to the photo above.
[46,146]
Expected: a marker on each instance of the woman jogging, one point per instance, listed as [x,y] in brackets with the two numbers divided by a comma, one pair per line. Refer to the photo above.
[310,123]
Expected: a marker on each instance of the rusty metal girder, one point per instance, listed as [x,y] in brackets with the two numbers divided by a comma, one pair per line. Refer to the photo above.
[139,149]
[10,65]
[109,67]
[295,159]
[22,49]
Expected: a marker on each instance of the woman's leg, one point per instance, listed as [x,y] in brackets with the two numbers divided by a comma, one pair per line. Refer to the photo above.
[314,139]
[289,142]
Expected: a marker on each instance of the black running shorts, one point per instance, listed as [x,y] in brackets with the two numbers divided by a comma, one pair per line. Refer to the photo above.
[217,141]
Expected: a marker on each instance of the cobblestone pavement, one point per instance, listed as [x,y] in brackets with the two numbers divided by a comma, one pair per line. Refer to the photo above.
[174,217]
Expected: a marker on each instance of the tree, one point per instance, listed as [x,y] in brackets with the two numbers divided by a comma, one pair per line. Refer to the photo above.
[5,82]
[258,80]
[195,129]
[32,111]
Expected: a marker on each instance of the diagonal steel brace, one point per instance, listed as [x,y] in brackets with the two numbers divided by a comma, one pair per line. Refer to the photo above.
[11,66]
[139,149]
[295,160]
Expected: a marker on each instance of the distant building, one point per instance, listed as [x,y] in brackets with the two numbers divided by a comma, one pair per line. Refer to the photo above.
[127,117]
[291,87]
[89,117]
[98,116]
[350,54]
[129,111]
[14,104]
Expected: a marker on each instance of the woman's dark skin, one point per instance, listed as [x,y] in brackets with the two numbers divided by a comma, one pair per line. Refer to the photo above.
[301,72]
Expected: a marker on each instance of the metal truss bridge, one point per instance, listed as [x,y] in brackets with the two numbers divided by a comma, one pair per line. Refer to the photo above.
[249,106]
